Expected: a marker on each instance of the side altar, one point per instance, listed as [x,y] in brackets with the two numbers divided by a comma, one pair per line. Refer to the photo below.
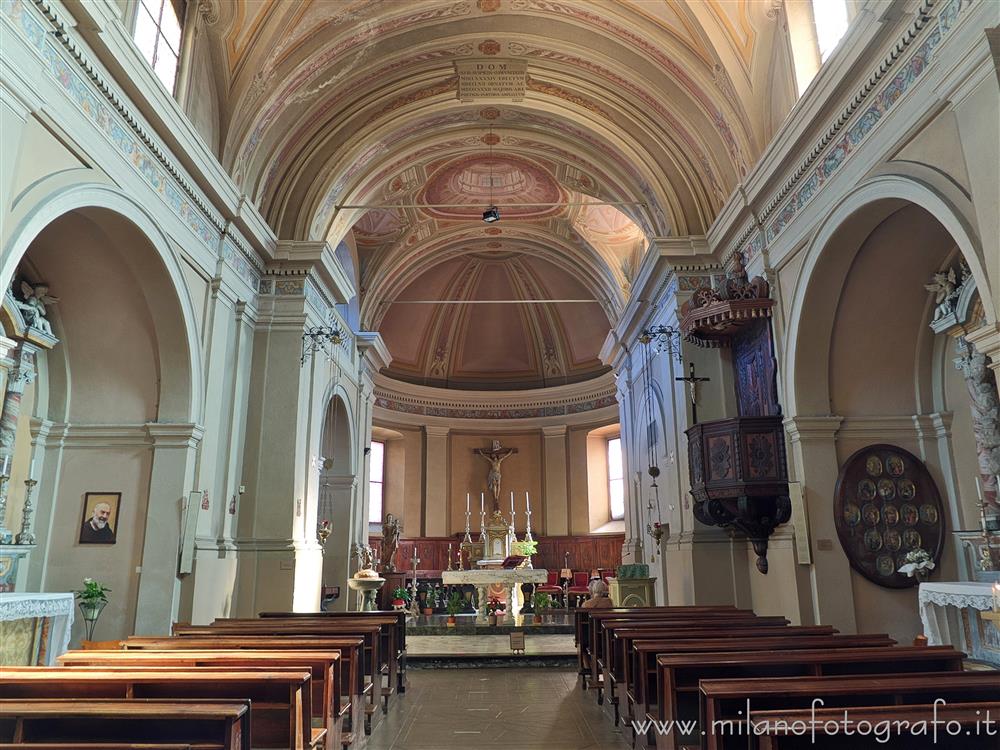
[510,579]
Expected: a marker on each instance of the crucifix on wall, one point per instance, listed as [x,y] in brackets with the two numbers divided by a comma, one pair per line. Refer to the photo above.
[495,456]
[692,382]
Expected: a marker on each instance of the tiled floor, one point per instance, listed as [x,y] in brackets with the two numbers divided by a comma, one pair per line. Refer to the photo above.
[527,709]
[487,645]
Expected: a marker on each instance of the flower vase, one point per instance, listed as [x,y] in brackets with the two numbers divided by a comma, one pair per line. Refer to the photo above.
[91,610]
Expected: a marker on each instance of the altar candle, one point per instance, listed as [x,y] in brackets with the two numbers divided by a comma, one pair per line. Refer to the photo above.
[5,467]
[512,501]
[996,597]
[527,501]
[979,489]
[31,471]
[482,508]
[466,504]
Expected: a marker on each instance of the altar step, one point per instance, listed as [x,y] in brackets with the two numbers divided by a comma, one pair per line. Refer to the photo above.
[486,650]
[537,661]
[437,625]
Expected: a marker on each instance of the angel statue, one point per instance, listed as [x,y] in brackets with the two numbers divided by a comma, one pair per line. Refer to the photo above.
[33,306]
[943,285]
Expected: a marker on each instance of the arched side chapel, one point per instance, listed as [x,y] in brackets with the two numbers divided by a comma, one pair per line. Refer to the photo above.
[193,243]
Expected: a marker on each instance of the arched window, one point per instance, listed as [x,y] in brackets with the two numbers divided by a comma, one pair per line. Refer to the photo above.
[158,36]
[830,18]
[376,482]
[616,479]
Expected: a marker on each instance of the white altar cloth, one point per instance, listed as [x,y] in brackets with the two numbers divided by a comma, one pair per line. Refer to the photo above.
[59,607]
[511,579]
[944,612]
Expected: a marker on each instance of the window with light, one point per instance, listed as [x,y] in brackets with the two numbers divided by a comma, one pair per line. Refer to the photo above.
[158,36]
[616,479]
[830,17]
[376,480]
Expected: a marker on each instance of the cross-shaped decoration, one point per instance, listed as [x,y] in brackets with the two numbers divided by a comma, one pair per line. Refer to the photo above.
[692,380]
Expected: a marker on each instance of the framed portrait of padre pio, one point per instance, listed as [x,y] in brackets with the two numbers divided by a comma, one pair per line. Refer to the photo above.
[100,517]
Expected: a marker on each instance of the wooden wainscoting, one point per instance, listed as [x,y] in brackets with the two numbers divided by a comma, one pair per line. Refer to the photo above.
[586,552]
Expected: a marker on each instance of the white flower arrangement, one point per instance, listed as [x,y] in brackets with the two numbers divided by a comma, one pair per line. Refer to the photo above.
[916,562]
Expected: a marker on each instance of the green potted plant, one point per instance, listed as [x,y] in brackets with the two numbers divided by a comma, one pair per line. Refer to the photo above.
[527,548]
[428,605]
[91,599]
[540,602]
[400,598]
[453,607]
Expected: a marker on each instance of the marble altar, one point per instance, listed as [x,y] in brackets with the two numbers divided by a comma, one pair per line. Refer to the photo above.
[511,579]
[951,615]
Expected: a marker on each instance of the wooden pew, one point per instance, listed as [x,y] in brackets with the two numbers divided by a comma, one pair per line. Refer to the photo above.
[678,676]
[679,619]
[331,708]
[614,650]
[891,727]
[581,630]
[222,725]
[617,656]
[392,636]
[724,700]
[382,663]
[399,635]
[643,680]
[600,641]
[281,701]
[351,650]
[375,663]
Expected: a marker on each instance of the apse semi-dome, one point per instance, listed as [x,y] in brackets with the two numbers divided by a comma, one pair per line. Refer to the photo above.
[494,344]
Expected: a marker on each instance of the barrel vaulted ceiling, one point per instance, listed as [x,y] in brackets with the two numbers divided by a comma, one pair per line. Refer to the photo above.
[658,107]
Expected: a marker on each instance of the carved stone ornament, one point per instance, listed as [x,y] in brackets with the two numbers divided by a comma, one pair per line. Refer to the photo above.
[712,316]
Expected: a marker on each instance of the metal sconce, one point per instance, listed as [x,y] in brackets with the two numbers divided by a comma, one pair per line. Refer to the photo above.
[665,339]
[320,339]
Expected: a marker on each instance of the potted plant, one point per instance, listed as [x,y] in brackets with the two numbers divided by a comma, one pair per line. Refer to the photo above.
[492,607]
[428,608]
[400,598]
[92,599]
[540,602]
[917,564]
[453,607]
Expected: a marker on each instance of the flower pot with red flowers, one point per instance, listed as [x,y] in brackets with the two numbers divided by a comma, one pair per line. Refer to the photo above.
[400,598]
[492,607]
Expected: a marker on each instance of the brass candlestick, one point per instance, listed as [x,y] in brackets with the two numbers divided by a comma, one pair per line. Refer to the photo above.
[26,537]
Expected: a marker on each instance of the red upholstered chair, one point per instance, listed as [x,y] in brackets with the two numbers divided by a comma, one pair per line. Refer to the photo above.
[579,587]
[606,573]
[551,586]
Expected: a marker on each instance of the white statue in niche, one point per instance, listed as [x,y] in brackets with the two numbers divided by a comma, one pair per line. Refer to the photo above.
[33,306]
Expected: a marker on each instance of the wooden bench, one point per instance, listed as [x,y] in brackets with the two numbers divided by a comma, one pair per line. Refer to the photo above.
[391,635]
[643,680]
[351,650]
[601,642]
[399,635]
[223,725]
[618,637]
[377,664]
[617,658]
[719,620]
[726,700]
[679,676]
[97,746]
[581,629]
[328,679]
[921,727]
[281,701]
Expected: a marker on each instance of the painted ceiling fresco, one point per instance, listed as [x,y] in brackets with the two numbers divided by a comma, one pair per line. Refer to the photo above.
[634,119]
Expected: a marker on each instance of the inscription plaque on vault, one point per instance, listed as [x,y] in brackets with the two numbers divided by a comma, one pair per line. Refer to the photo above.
[491,79]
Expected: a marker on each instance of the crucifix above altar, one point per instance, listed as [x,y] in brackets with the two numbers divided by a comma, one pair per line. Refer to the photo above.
[495,455]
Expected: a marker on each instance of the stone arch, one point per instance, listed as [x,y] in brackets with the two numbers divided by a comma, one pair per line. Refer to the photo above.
[340,497]
[119,398]
[821,278]
[860,361]
[185,404]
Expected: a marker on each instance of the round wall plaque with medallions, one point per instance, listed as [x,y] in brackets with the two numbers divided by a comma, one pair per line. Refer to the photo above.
[886,506]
